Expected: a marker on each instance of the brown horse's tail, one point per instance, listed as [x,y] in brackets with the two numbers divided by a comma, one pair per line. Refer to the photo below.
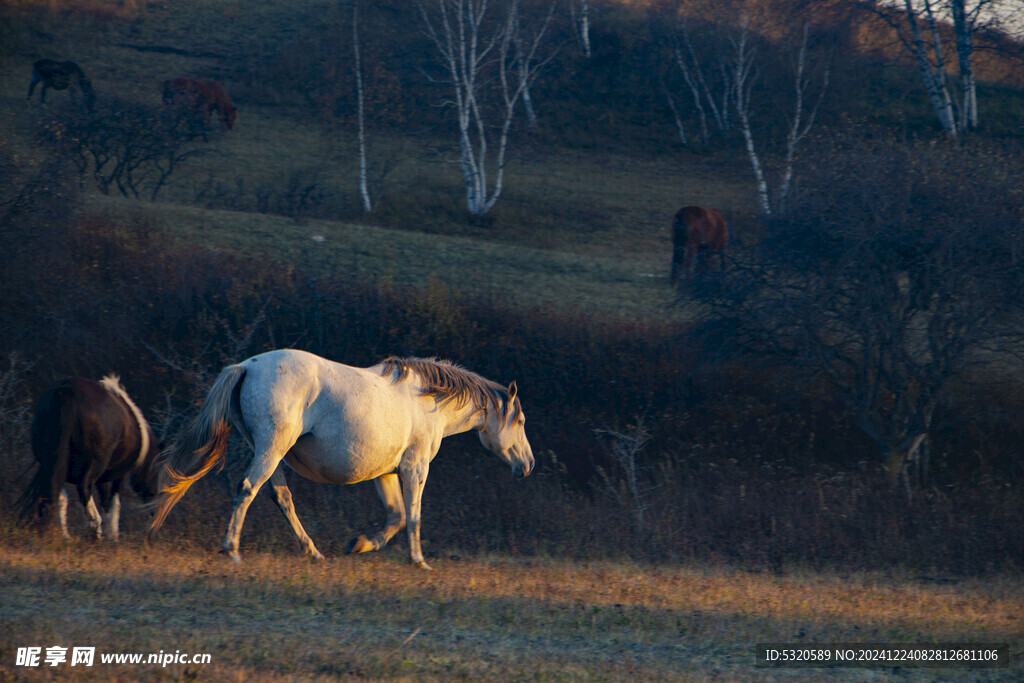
[201,448]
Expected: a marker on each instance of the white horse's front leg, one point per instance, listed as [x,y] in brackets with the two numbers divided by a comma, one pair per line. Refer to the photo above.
[259,471]
[414,476]
[390,492]
[283,498]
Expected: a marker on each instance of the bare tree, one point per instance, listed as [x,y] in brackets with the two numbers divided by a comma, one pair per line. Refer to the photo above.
[626,481]
[922,28]
[483,60]
[698,75]
[799,120]
[580,10]
[969,19]
[744,75]
[524,56]
[131,148]
[364,190]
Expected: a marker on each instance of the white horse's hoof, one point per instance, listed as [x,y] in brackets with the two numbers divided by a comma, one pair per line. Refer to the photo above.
[423,565]
[235,556]
[360,545]
[316,555]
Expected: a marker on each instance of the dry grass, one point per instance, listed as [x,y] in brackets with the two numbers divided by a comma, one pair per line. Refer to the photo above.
[282,617]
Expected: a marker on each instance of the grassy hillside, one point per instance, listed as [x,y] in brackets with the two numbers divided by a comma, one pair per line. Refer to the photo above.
[563,217]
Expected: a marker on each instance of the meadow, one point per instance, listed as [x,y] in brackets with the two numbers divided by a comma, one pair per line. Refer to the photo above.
[281,617]
[763,510]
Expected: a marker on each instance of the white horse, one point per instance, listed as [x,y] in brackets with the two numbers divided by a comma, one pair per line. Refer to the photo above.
[337,424]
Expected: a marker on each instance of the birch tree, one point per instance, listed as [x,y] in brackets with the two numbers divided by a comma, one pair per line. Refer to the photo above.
[699,76]
[525,54]
[580,10]
[364,190]
[922,27]
[968,20]
[744,75]
[799,119]
[487,74]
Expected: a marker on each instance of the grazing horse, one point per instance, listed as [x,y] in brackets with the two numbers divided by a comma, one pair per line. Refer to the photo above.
[337,424]
[61,76]
[92,435]
[203,97]
[696,229]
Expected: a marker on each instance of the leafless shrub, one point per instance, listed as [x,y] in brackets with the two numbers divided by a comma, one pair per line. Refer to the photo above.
[303,195]
[15,415]
[133,149]
[627,481]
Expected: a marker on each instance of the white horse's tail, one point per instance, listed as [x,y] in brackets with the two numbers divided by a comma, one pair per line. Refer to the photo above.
[201,448]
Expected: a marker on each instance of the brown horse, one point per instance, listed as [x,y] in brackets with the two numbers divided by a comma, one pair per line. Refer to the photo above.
[61,76]
[204,97]
[92,436]
[696,229]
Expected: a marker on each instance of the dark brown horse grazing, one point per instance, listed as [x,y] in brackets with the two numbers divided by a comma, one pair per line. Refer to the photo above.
[92,435]
[696,229]
[203,97]
[61,76]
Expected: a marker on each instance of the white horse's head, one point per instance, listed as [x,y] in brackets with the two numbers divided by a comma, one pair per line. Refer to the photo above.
[504,434]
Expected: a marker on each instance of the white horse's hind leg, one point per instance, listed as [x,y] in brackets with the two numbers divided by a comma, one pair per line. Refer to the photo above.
[95,520]
[259,471]
[62,512]
[112,518]
[390,492]
[283,498]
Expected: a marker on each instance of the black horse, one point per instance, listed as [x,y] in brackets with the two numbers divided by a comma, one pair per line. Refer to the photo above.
[61,76]
[92,435]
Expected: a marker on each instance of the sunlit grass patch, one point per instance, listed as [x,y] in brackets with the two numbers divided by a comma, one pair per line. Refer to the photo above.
[277,615]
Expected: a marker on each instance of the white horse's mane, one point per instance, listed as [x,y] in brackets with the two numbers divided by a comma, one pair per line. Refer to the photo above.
[452,382]
[113,385]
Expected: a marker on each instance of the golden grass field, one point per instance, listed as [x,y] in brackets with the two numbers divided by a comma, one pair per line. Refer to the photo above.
[282,617]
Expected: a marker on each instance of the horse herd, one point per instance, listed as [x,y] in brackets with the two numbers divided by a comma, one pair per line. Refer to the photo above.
[329,422]
[202,98]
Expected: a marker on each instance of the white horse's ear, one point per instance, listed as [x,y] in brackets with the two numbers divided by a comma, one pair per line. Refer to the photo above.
[512,390]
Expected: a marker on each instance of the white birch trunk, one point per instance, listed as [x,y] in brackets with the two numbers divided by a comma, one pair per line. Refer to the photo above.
[523,66]
[963,28]
[695,92]
[718,112]
[798,128]
[584,27]
[675,116]
[934,81]
[742,81]
[364,190]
